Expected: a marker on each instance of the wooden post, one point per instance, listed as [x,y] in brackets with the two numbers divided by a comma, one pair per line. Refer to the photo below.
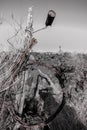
[28,39]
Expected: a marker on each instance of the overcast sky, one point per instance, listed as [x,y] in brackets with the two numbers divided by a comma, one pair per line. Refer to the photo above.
[68,30]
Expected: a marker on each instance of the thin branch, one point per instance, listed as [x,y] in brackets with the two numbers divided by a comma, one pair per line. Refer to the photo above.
[8,40]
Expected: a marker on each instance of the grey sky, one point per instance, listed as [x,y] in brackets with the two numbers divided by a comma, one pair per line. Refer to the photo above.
[69,12]
[71,18]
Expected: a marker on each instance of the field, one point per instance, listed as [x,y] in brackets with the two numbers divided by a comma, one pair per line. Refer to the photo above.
[37,92]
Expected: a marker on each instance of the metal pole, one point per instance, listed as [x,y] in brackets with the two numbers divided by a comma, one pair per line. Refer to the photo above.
[40,29]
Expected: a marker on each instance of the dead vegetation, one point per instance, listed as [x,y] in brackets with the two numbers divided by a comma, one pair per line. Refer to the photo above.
[42,91]
[34,99]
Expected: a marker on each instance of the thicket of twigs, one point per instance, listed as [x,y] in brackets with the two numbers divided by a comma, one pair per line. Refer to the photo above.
[38,73]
